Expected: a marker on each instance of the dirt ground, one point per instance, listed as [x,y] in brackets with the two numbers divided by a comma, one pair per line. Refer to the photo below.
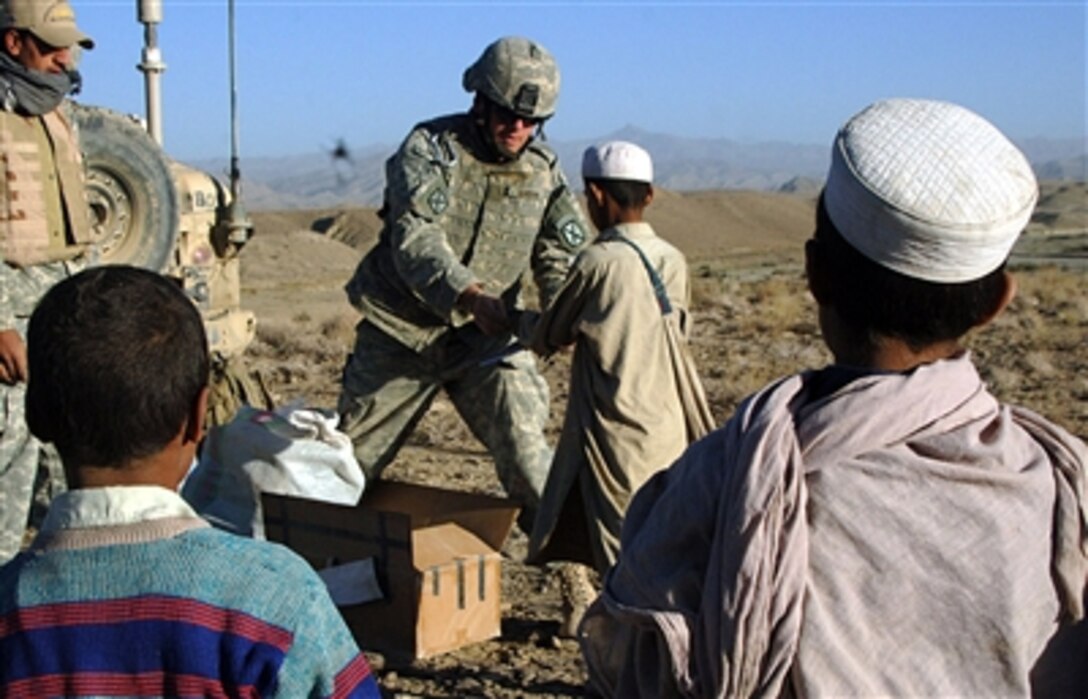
[754,321]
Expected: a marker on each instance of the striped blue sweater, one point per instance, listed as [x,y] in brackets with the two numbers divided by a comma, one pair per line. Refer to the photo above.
[127,593]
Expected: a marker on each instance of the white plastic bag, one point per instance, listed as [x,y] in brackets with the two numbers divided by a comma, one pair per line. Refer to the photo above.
[291,451]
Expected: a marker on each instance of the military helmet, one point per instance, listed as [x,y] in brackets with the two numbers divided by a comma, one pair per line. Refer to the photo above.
[518,74]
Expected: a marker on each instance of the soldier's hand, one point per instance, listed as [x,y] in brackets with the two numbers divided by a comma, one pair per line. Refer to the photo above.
[490,315]
[12,357]
[487,311]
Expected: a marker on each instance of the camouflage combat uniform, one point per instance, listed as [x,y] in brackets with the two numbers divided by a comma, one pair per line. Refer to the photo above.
[454,218]
[44,231]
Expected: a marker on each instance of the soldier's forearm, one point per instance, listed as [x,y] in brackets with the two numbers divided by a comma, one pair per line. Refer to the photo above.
[427,265]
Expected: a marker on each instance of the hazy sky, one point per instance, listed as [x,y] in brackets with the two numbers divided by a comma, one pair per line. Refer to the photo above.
[311,72]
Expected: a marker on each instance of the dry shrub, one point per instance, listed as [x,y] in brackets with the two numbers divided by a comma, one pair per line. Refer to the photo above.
[710,292]
[1001,380]
[1036,353]
[750,330]
[339,328]
[1075,310]
[300,361]
[1038,363]
[722,299]
[277,340]
[780,301]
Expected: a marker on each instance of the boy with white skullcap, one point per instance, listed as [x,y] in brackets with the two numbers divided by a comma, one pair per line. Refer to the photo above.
[635,399]
[882,526]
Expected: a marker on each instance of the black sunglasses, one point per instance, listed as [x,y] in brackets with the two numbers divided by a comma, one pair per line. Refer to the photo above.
[508,116]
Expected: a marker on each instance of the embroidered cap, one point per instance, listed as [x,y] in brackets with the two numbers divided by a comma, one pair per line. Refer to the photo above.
[617,160]
[928,189]
[52,21]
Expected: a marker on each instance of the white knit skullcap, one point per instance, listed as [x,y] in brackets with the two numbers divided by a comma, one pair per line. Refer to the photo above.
[617,160]
[928,189]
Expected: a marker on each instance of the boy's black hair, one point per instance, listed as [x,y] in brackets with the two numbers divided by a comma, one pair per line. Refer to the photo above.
[876,301]
[117,359]
[629,194]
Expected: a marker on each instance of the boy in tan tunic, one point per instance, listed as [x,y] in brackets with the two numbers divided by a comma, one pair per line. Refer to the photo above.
[635,399]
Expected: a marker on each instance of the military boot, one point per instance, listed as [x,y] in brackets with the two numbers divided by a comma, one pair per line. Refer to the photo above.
[578,593]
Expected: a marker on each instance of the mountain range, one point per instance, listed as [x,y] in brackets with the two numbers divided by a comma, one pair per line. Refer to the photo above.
[356,178]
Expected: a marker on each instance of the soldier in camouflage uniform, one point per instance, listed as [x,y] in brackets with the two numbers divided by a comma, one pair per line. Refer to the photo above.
[44,230]
[473,202]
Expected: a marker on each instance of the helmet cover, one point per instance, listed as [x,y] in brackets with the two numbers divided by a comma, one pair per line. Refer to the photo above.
[518,74]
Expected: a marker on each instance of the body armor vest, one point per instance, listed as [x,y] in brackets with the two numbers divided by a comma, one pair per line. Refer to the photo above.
[490,215]
[44,215]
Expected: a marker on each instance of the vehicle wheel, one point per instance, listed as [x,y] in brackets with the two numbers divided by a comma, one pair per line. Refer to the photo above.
[134,204]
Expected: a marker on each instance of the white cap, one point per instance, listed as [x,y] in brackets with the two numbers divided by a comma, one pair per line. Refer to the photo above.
[928,189]
[617,160]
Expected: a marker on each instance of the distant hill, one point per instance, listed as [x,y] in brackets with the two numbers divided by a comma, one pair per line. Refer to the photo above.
[317,180]
[1062,207]
[1072,169]
[742,226]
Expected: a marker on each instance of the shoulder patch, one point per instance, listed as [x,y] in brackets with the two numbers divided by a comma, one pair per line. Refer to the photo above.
[572,234]
[438,201]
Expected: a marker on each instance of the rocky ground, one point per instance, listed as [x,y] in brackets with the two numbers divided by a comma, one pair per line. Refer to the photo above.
[754,321]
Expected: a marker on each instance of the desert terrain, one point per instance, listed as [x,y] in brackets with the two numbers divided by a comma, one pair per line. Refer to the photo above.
[754,321]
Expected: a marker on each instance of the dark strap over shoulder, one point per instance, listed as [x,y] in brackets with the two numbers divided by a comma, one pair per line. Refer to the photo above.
[655,278]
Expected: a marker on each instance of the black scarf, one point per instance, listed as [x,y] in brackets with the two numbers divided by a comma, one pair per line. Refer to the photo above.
[33,92]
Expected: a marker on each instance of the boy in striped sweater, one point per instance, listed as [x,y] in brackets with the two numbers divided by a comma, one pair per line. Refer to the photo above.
[126,591]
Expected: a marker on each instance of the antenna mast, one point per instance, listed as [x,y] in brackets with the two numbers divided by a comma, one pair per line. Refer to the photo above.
[239,227]
[149,13]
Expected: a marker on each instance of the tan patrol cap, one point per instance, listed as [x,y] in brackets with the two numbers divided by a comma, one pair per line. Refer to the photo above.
[52,21]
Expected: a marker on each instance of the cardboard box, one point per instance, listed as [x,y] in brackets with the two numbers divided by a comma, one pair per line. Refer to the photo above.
[436,556]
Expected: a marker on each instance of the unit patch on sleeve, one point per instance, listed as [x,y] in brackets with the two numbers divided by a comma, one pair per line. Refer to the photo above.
[438,201]
[572,234]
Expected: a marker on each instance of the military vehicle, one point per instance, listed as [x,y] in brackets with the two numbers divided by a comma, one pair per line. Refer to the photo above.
[152,212]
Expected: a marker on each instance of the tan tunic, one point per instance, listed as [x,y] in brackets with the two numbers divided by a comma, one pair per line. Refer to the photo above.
[633,392]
